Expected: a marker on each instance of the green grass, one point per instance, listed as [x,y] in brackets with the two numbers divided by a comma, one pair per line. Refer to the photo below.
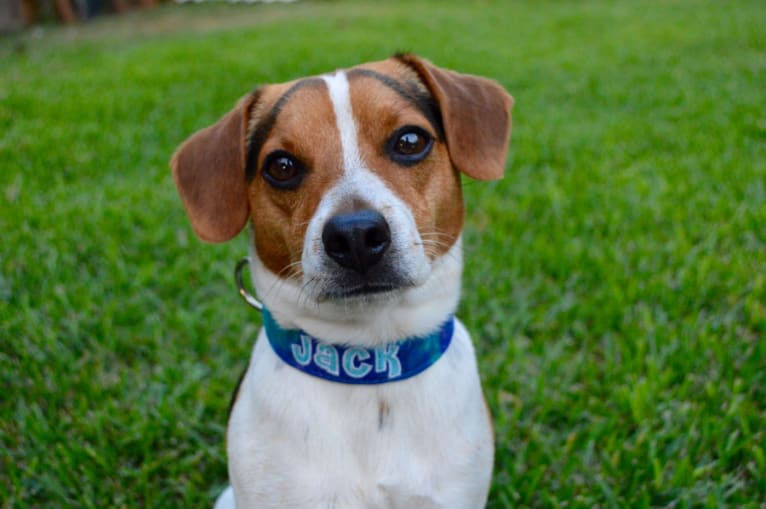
[615,280]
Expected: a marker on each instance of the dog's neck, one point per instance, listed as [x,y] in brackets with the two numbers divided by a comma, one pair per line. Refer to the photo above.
[369,323]
[357,365]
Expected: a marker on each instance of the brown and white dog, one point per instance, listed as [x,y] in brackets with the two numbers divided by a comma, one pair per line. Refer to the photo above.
[351,181]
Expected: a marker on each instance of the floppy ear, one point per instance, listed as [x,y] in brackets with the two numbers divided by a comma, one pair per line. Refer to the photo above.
[209,171]
[476,113]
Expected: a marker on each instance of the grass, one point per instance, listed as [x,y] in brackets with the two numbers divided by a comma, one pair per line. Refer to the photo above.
[615,280]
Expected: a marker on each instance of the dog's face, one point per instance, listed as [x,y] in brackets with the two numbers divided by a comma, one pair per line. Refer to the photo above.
[352,179]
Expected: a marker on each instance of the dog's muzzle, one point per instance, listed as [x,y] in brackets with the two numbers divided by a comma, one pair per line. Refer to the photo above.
[362,258]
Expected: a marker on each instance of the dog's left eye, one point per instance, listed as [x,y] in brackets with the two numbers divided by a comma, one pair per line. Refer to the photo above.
[409,145]
[282,170]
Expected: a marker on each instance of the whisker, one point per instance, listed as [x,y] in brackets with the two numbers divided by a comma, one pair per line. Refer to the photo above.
[291,270]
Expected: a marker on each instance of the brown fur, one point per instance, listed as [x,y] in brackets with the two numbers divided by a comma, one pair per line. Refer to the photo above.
[476,114]
[207,170]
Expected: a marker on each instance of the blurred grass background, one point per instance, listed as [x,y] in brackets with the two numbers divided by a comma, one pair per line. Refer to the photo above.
[615,280]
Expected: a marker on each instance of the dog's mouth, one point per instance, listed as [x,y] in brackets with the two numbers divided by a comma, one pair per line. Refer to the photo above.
[347,286]
[364,291]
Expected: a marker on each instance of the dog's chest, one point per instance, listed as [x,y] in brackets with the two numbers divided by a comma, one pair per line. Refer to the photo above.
[298,441]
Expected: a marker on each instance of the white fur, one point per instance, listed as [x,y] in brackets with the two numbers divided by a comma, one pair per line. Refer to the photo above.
[298,442]
[337,86]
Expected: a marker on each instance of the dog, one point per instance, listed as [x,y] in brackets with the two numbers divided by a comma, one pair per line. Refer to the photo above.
[362,390]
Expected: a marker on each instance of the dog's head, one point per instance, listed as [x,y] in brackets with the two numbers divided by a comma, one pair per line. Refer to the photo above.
[351,179]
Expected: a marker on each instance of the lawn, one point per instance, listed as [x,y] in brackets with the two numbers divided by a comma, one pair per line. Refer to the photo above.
[615,281]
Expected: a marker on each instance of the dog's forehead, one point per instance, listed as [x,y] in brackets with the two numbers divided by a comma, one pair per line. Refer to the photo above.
[365,79]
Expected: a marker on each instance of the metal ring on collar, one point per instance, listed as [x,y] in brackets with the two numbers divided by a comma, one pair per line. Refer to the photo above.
[252,301]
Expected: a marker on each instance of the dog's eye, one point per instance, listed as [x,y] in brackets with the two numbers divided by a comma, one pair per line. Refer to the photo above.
[409,145]
[282,170]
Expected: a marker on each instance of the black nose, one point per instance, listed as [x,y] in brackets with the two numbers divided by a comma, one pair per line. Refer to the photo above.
[356,240]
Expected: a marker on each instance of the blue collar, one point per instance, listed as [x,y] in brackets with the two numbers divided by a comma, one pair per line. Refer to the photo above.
[391,362]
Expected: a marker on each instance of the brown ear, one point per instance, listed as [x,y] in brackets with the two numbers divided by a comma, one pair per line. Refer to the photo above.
[476,113]
[209,171]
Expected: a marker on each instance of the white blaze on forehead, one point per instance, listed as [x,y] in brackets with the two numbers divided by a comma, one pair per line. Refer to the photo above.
[337,85]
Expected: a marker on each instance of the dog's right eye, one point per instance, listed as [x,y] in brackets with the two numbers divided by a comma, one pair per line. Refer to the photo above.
[283,170]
